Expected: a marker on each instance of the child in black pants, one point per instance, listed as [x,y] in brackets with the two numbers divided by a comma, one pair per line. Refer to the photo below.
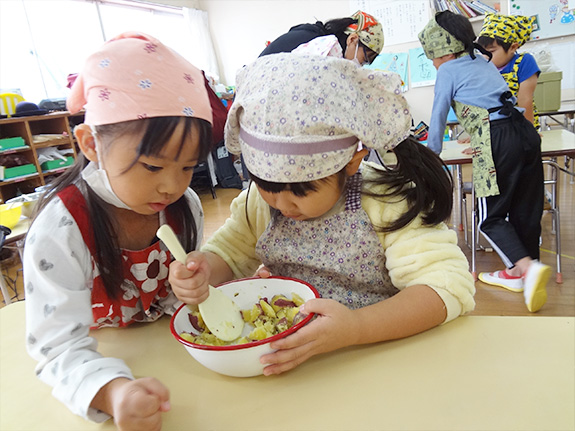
[507,167]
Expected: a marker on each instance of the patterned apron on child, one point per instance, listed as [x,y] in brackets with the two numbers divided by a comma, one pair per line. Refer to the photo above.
[145,275]
[475,121]
[512,79]
[339,254]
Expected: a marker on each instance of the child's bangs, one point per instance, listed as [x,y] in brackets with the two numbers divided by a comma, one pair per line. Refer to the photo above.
[488,41]
[160,130]
[298,189]
[157,133]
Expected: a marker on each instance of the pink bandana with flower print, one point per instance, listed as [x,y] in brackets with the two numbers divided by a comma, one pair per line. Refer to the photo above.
[135,76]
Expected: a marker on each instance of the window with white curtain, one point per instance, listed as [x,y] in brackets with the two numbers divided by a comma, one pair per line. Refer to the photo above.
[43,41]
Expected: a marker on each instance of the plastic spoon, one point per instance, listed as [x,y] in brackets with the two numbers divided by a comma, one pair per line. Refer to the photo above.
[221,315]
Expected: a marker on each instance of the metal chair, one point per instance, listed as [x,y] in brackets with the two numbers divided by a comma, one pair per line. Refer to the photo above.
[9,102]
[205,171]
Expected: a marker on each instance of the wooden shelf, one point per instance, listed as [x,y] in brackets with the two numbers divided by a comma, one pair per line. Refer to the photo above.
[14,150]
[29,128]
[18,179]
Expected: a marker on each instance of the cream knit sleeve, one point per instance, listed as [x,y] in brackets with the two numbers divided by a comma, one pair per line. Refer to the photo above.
[236,240]
[428,255]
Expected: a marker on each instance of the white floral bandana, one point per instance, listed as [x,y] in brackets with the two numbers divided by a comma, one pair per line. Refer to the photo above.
[299,118]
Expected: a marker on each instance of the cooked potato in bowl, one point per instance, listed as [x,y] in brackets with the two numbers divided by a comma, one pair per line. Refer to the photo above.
[240,358]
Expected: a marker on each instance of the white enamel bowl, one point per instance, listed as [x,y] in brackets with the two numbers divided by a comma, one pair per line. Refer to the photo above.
[242,360]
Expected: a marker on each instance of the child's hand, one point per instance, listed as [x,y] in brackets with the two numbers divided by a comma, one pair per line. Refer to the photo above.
[190,282]
[136,404]
[333,328]
[263,272]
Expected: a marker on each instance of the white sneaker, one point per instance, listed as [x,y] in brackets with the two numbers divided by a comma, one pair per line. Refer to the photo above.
[534,291]
[502,279]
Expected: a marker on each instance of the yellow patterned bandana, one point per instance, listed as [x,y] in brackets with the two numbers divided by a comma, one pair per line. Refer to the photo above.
[508,28]
[437,42]
[368,29]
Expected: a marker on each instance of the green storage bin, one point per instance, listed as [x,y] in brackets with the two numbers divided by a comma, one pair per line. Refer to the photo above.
[55,164]
[548,91]
[9,143]
[18,171]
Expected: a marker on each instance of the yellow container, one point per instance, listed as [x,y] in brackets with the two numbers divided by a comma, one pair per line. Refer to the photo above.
[10,214]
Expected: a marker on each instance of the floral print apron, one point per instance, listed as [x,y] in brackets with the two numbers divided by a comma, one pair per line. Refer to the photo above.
[475,121]
[145,275]
[339,254]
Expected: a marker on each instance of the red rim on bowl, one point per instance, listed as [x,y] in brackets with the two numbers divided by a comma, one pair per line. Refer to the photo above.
[283,334]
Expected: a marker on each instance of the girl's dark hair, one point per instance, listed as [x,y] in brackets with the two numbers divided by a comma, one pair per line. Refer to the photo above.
[419,176]
[157,133]
[460,28]
[337,27]
[486,42]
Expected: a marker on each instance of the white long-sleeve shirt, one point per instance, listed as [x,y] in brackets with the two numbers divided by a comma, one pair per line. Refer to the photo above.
[58,277]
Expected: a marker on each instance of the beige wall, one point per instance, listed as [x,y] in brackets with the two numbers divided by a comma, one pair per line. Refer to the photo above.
[241,28]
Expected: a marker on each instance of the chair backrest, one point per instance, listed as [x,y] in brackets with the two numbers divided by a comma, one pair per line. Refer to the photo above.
[9,102]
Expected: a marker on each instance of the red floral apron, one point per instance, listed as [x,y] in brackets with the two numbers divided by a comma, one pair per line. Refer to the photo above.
[145,282]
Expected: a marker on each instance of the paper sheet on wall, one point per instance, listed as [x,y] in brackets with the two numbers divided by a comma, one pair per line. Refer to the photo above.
[401,20]
[553,18]
[392,62]
[422,71]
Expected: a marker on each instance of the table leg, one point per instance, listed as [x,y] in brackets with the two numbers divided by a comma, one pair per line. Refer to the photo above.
[4,289]
[473,234]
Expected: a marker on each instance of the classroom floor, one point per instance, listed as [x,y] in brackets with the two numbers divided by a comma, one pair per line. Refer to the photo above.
[490,300]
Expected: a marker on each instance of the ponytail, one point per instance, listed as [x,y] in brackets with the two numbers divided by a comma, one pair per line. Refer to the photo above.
[460,28]
[421,178]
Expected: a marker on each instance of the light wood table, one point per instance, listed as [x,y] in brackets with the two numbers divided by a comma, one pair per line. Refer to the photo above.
[554,143]
[475,373]
[567,110]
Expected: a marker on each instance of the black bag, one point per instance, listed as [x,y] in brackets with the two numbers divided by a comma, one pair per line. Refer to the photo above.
[226,173]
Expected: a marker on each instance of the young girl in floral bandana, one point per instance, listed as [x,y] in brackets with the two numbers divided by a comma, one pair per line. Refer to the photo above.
[507,168]
[91,258]
[371,239]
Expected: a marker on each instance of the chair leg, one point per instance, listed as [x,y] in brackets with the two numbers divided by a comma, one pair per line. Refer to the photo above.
[462,214]
[4,290]
[558,276]
[464,217]
[555,217]
[473,234]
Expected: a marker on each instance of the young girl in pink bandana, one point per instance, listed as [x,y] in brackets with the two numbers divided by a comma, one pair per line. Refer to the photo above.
[371,239]
[91,258]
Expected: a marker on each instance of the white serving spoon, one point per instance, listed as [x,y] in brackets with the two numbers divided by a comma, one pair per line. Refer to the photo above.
[221,315]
